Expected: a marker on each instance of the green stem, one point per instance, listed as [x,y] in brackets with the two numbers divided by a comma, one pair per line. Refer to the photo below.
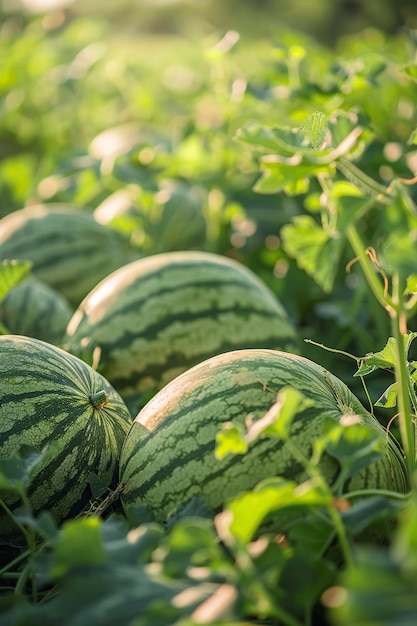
[396,309]
[394,495]
[399,328]
[368,268]
[338,525]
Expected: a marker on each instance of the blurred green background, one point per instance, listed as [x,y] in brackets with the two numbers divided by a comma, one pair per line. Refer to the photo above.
[324,19]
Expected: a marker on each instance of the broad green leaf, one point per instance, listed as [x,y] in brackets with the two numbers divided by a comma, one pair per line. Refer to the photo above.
[354,447]
[291,177]
[405,541]
[385,358]
[275,494]
[275,139]
[376,592]
[196,507]
[410,71]
[11,273]
[99,485]
[16,471]
[277,421]
[350,203]
[315,250]
[44,525]
[230,440]
[315,129]
[398,253]
[388,399]
[311,533]
[364,512]
[79,543]
[190,542]
[411,286]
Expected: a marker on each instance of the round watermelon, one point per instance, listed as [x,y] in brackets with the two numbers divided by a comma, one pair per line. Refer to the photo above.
[169,453]
[51,398]
[156,317]
[35,309]
[69,249]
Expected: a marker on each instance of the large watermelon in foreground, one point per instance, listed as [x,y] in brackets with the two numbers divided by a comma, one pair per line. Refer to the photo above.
[169,454]
[50,397]
[69,249]
[156,317]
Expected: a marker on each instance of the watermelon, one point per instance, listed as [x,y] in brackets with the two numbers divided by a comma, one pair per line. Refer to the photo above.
[69,249]
[49,397]
[156,317]
[169,453]
[34,309]
[171,219]
[175,221]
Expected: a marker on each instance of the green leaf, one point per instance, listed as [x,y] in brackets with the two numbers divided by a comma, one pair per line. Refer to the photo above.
[311,533]
[17,470]
[230,440]
[398,253]
[291,176]
[388,399]
[365,512]
[375,591]
[196,507]
[11,273]
[385,358]
[79,543]
[3,330]
[275,494]
[99,485]
[410,71]
[315,250]
[315,129]
[355,448]
[276,139]
[411,286]
[277,421]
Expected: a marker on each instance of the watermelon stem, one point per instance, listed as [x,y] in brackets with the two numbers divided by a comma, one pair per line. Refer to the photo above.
[99,399]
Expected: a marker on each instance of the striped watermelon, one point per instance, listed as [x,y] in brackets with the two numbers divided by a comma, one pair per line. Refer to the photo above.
[50,397]
[171,219]
[34,309]
[69,249]
[158,316]
[168,455]
[176,221]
